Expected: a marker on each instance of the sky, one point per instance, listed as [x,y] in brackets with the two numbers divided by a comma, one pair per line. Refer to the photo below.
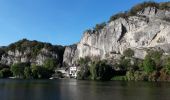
[60,22]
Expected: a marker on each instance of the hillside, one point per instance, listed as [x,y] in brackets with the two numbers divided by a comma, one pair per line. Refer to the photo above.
[144,27]
[134,43]
[33,52]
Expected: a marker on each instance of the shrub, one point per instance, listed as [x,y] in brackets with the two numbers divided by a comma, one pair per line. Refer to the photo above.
[136,76]
[164,6]
[153,76]
[135,9]
[124,64]
[99,26]
[128,53]
[164,75]
[155,54]
[130,75]
[141,6]
[119,15]
[167,65]
[118,78]
[149,64]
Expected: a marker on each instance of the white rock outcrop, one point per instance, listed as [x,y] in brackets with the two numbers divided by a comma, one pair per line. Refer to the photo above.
[148,29]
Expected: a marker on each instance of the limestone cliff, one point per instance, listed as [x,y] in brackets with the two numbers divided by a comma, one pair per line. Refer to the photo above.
[149,28]
[33,52]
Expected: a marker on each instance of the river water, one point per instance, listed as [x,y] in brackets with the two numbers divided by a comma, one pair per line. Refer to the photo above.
[82,90]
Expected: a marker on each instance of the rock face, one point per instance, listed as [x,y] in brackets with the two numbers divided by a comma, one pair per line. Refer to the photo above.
[70,55]
[150,28]
[37,54]
[16,57]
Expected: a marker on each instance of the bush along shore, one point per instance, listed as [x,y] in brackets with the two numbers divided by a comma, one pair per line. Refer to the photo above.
[154,67]
[27,71]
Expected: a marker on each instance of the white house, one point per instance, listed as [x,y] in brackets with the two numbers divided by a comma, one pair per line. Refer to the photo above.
[73,72]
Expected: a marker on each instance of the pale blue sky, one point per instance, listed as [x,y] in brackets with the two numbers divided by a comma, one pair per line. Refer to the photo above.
[55,21]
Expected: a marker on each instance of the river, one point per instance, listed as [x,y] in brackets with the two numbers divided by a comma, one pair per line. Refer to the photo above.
[82,90]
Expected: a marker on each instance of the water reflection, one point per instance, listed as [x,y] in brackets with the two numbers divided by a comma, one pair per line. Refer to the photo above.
[82,90]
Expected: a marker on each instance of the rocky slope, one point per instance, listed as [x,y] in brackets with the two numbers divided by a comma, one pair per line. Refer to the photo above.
[149,28]
[33,52]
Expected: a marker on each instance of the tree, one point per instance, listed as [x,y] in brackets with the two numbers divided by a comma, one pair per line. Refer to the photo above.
[149,64]
[35,71]
[101,71]
[50,64]
[27,73]
[5,73]
[84,72]
[41,72]
[167,65]
[44,73]
[18,70]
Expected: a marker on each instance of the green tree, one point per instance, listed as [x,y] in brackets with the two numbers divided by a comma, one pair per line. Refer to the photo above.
[5,73]
[167,65]
[44,73]
[84,72]
[27,73]
[18,70]
[149,64]
[41,72]
[35,71]
[50,63]
[101,71]
[155,55]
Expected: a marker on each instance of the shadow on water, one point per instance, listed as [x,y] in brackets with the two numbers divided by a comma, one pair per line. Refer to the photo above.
[82,90]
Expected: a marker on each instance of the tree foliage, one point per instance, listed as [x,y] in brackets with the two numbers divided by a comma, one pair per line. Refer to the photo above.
[28,73]
[18,69]
[101,71]
[99,26]
[128,52]
[84,72]
[35,47]
[5,73]
[41,72]
[149,64]
[50,64]
[139,7]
